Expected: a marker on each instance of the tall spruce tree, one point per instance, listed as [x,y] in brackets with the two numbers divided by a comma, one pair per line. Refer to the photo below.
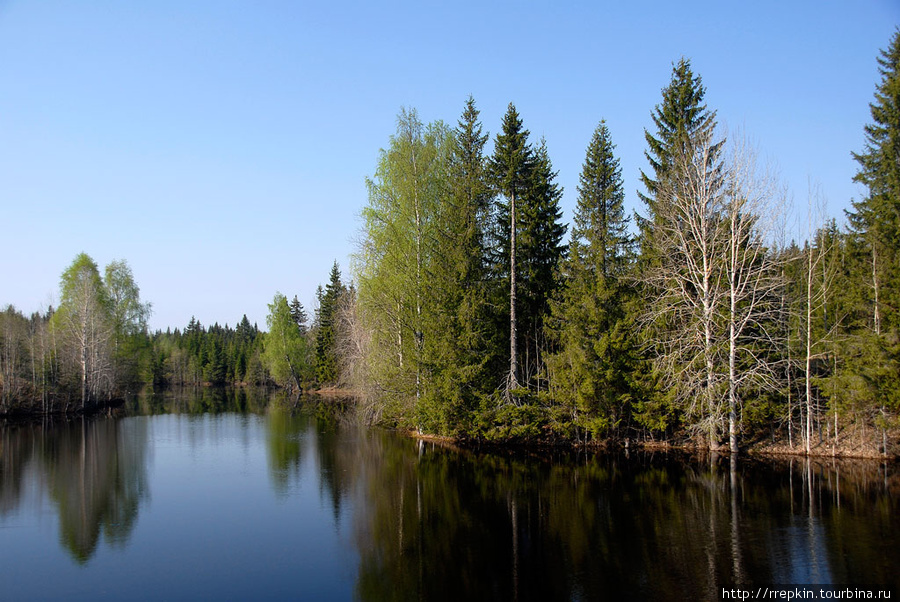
[540,251]
[873,356]
[459,349]
[876,218]
[590,370]
[326,352]
[511,168]
[679,119]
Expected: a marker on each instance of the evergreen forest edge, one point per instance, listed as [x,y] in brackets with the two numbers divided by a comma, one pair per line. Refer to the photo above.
[470,315]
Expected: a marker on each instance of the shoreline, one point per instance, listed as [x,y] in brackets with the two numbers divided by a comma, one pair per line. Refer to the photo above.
[854,444]
[819,451]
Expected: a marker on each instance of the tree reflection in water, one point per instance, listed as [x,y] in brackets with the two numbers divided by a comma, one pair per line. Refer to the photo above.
[94,469]
[438,523]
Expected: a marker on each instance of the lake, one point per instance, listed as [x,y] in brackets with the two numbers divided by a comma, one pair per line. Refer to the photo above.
[222,495]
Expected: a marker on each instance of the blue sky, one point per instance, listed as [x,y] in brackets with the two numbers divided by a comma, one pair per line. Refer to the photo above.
[221,148]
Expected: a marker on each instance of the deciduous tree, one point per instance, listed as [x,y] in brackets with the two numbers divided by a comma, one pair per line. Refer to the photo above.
[285,348]
[84,324]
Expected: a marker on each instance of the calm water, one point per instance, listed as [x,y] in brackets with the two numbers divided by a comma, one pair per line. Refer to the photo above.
[217,496]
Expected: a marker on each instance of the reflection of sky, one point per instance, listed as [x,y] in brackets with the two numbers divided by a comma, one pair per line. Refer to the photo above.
[799,552]
[211,527]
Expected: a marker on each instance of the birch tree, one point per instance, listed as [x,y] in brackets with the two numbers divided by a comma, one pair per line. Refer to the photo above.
[84,324]
[818,273]
[687,285]
[286,352]
[129,319]
[397,258]
[716,291]
[754,207]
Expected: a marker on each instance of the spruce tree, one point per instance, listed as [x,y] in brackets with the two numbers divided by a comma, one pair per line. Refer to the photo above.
[679,119]
[876,218]
[590,370]
[326,359]
[511,168]
[469,194]
[873,352]
[459,348]
[540,251]
[298,314]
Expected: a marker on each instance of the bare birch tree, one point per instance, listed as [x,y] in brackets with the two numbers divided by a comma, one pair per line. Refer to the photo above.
[687,288]
[714,291]
[818,275]
[754,208]
[12,344]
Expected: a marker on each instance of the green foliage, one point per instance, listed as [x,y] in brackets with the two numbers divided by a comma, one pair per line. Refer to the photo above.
[326,357]
[504,422]
[590,371]
[401,269]
[459,351]
[285,351]
[527,240]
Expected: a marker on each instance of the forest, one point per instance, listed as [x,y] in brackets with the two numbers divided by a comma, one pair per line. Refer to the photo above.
[474,312]
[95,348]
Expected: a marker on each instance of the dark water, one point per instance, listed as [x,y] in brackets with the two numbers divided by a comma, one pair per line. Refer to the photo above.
[221,496]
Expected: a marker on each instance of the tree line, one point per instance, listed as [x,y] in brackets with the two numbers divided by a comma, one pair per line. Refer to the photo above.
[83,352]
[95,348]
[701,319]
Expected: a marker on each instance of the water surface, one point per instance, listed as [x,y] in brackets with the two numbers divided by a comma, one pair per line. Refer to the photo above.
[224,496]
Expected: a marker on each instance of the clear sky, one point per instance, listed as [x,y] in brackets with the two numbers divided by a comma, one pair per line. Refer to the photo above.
[221,148]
